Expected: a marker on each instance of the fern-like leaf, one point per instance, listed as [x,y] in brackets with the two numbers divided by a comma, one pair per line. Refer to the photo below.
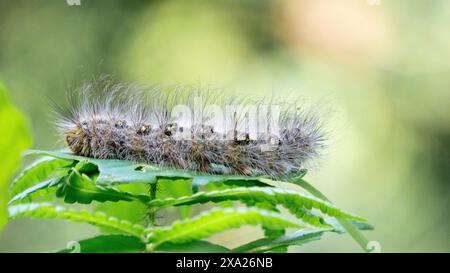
[79,188]
[215,221]
[297,203]
[28,193]
[37,172]
[297,238]
[50,211]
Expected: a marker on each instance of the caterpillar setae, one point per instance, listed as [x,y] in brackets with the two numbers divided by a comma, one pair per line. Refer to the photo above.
[108,120]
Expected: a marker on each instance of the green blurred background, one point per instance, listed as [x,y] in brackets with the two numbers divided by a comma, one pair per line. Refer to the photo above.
[381,68]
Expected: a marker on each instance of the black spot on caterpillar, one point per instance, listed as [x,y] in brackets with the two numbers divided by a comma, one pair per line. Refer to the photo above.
[183,127]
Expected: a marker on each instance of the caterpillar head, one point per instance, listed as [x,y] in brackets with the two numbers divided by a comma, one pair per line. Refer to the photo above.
[76,139]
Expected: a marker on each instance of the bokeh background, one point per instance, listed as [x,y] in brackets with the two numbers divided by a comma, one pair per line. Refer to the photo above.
[379,68]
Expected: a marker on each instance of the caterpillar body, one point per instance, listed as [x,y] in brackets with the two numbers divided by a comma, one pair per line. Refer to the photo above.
[109,120]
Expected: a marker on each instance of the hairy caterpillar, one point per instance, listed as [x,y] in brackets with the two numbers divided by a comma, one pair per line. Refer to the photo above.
[109,120]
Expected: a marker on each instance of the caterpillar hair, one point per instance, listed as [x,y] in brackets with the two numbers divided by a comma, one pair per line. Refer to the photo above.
[104,119]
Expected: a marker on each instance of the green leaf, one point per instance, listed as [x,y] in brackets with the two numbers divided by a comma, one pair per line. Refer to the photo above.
[345,223]
[175,188]
[193,247]
[294,201]
[93,180]
[79,188]
[114,243]
[122,171]
[120,243]
[268,233]
[214,221]
[29,192]
[274,233]
[39,171]
[360,225]
[229,181]
[133,211]
[298,238]
[14,139]
[50,211]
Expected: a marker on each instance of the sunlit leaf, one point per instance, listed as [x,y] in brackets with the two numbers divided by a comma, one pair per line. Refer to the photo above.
[41,170]
[214,221]
[50,211]
[293,201]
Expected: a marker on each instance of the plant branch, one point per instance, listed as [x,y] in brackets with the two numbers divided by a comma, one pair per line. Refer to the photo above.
[151,214]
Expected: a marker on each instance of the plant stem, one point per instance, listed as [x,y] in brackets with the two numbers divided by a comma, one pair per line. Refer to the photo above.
[151,215]
[346,224]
